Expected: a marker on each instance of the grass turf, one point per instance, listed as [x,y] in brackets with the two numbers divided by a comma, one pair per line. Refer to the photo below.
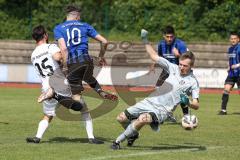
[217,137]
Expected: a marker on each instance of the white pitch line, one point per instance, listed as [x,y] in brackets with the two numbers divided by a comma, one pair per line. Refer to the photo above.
[150,153]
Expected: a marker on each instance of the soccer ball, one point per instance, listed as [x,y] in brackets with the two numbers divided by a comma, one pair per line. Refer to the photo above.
[189,122]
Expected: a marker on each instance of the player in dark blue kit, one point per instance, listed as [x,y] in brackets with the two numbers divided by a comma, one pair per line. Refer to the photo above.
[72,36]
[171,48]
[233,70]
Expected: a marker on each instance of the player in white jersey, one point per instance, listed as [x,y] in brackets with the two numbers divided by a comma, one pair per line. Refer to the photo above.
[156,108]
[45,59]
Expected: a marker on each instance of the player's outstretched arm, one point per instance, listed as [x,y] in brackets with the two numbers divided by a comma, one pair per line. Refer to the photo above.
[153,54]
[103,43]
[103,48]
[64,51]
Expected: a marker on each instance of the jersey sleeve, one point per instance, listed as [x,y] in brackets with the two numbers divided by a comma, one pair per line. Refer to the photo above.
[32,58]
[166,65]
[91,32]
[181,46]
[53,48]
[195,90]
[57,33]
[238,52]
[159,49]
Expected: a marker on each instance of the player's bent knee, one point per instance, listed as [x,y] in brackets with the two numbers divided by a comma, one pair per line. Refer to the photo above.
[76,106]
[69,103]
[48,118]
[76,97]
[227,87]
[145,118]
[226,91]
[122,117]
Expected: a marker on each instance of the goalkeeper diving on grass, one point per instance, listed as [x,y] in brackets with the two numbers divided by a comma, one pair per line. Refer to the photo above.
[155,109]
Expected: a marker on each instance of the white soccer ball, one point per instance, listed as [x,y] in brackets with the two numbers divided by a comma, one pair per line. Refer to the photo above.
[189,122]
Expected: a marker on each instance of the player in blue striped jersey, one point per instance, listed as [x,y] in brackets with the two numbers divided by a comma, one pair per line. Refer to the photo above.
[233,70]
[72,36]
[171,47]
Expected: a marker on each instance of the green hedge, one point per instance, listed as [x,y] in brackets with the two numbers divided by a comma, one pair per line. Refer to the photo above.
[202,20]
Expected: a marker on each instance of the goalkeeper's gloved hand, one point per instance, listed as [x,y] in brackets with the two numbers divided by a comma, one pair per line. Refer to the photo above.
[144,34]
[184,99]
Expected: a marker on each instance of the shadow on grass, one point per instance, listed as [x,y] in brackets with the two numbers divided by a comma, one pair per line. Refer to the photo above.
[171,147]
[73,140]
[4,123]
[172,123]
[235,113]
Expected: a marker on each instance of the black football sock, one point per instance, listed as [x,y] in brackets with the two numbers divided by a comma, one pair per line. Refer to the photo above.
[184,109]
[225,98]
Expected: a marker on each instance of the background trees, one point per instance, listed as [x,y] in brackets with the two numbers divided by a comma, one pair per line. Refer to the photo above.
[202,20]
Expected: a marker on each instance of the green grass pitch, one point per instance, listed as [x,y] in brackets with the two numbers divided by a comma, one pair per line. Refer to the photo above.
[217,137]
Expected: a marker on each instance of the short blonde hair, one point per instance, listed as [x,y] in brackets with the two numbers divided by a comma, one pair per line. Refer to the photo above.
[188,55]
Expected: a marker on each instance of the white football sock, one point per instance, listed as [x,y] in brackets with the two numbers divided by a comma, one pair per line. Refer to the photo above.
[130,131]
[88,124]
[42,126]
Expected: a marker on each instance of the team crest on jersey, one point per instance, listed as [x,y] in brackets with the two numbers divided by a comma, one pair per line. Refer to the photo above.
[182,82]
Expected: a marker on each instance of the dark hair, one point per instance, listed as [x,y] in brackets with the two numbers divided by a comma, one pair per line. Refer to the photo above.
[235,33]
[72,8]
[168,30]
[188,55]
[38,33]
